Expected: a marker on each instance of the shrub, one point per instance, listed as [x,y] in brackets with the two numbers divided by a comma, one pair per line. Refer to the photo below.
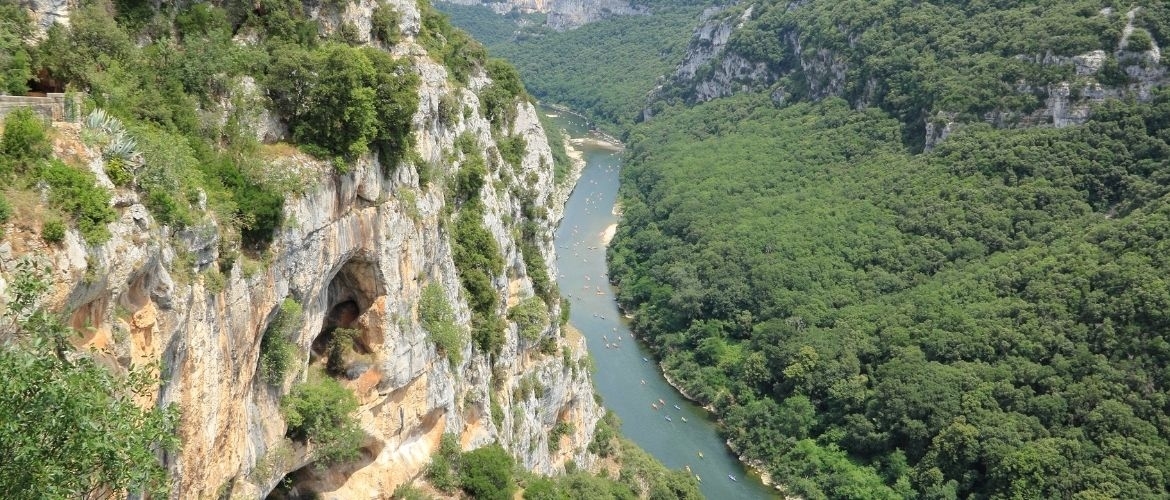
[560,430]
[53,231]
[75,192]
[441,472]
[512,149]
[117,172]
[25,140]
[438,319]
[5,210]
[384,24]
[531,317]
[486,473]
[320,412]
[408,491]
[277,351]
[341,350]
[449,109]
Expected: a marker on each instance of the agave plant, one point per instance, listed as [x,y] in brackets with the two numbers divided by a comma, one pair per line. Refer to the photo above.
[121,145]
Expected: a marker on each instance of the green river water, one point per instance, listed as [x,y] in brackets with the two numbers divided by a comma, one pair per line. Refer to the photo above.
[627,375]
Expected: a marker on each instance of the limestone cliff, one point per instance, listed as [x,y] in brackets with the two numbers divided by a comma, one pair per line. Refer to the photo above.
[562,14]
[356,250]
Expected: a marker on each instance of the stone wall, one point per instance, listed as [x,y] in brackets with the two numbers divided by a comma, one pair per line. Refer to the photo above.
[52,106]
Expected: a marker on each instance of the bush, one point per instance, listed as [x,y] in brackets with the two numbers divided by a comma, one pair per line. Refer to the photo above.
[512,149]
[384,24]
[560,430]
[486,473]
[531,317]
[75,192]
[320,412]
[408,491]
[53,231]
[341,350]
[438,319]
[5,210]
[277,351]
[25,140]
[441,472]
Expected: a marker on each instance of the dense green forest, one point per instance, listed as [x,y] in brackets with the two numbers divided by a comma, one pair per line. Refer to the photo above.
[985,320]
[978,60]
[988,319]
[605,70]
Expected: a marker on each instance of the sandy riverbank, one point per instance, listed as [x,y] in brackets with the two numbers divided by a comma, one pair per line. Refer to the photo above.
[607,235]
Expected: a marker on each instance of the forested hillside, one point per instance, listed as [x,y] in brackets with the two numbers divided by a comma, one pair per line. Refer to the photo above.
[605,70]
[984,320]
[940,61]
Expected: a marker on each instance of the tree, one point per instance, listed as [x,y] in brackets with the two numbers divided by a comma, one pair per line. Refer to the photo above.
[486,473]
[71,427]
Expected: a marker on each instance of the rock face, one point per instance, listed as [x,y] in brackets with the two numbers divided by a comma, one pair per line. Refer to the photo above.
[562,14]
[356,249]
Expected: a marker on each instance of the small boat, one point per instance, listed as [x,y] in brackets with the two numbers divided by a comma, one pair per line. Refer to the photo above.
[731,477]
[700,454]
[677,407]
[668,419]
[654,405]
[661,401]
[644,360]
[684,419]
[697,478]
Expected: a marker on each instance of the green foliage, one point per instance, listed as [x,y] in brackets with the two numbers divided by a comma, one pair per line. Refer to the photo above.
[486,473]
[497,412]
[512,149]
[25,141]
[870,322]
[449,109]
[438,319]
[443,471]
[470,178]
[53,231]
[604,441]
[320,412]
[562,164]
[603,69]
[531,317]
[452,47]
[384,24]
[477,258]
[5,211]
[499,101]
[76,193]
[561,429]
[15,69]
[341,350]
[72,427]
[355,99]
[407,491]
[277,350]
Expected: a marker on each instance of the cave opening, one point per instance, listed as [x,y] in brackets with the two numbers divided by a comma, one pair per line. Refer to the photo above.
[345,344]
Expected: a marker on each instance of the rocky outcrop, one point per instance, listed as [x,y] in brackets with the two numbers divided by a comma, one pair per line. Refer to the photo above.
[709,70]
[562,14]
[356,250]
[46,12]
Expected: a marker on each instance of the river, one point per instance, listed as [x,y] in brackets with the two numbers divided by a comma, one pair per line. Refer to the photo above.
[627,375]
